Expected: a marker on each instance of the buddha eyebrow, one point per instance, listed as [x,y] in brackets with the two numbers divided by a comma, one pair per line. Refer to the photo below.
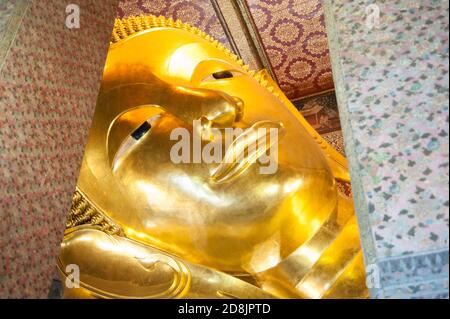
[141,130]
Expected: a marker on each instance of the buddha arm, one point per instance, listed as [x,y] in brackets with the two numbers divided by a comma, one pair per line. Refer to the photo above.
[112,266]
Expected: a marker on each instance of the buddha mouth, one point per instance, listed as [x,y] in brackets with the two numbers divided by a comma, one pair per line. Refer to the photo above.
[259,143]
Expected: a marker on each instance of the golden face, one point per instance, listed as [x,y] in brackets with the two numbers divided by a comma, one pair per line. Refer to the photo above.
[161,79]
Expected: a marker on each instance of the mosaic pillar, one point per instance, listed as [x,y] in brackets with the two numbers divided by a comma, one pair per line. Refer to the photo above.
[11,14]
[49,83]
[391,76]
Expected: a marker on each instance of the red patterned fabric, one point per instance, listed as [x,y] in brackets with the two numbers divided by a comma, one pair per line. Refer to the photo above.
[48,88]
[295,39]
[293,34]
[199,13]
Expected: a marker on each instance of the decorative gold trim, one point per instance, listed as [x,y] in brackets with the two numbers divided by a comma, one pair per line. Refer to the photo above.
[124,28]
[84,213]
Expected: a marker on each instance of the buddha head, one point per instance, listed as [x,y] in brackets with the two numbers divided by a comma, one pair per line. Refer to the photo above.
[162,77]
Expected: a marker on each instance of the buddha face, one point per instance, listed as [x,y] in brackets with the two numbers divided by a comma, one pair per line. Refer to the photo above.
[226,215]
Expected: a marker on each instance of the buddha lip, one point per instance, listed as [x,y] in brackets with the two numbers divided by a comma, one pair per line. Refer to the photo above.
[235,161]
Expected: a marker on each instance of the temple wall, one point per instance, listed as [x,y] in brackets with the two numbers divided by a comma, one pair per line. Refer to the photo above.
[294,37]
[199,13]
[49,84]
[392,86]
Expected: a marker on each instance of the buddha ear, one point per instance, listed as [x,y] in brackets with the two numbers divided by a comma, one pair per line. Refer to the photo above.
[337,162]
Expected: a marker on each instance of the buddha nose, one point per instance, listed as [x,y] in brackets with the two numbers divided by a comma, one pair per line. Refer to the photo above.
[239,108]
[226,113]
[223,114]
[215,108]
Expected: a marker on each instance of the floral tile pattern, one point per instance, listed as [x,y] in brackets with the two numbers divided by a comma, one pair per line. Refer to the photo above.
[48,88]
[294,36]
[392,86]
[199,13]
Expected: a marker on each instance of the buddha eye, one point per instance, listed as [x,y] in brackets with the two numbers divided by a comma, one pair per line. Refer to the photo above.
[222,75]
[141,130]
[134,138]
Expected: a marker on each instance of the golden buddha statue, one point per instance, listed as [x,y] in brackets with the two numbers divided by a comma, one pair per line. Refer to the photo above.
[144,226]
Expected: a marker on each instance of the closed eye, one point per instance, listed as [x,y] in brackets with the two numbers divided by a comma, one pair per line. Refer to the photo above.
[222,75]
[141,131]
[134,138]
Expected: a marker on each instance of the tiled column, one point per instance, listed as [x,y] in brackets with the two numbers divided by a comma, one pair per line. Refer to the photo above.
[392,86]
[11,14]
[49,83]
